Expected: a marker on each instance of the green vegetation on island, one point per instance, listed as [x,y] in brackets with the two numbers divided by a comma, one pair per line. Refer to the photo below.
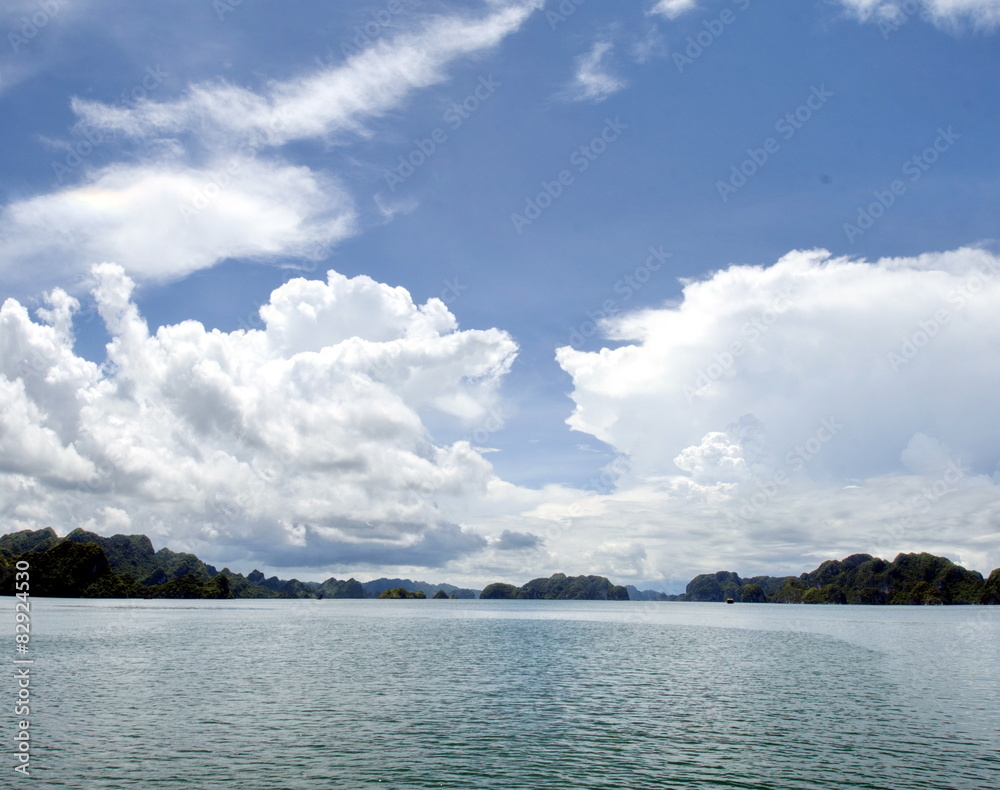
[400,592]
[991,589]
[86,565]
[348,588]
[858,579]
[500,590]
[560,587]
[291,588]
[71,569]
[374,588]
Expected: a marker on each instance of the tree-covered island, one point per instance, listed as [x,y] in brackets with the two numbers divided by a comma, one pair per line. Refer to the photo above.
[86,565]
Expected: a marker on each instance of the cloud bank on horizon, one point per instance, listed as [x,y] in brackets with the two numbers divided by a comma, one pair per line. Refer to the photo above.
[758,418]
[848,396]
[853,397]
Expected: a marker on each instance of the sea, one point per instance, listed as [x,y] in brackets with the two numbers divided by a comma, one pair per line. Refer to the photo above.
[290,694]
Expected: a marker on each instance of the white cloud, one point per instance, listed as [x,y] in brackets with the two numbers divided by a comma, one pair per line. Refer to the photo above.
[981,13]
[851,420]
[785,415]
[650,44]
[926,456]
[810,338]
[327,102]
[203,192]
[165,221]
[592,81]
[672,9]
[735,455]
[666,531]
[302,442]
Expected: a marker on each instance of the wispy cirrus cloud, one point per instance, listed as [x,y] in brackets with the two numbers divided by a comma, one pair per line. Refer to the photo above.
[593,81]
[213,181]
[328,102]
[672,9]
[979,13]
[34,34]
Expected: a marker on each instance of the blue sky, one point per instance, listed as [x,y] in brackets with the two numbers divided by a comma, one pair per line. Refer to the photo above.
[626,288]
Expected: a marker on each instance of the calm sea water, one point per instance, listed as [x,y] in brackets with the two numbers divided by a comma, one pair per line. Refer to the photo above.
[509,695]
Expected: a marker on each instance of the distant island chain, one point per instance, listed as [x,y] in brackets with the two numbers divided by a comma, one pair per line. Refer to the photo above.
[86,565]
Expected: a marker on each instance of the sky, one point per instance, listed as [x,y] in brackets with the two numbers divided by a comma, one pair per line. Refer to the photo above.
[488,290]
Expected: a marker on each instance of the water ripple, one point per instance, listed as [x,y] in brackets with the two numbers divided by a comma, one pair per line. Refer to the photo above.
[384,694]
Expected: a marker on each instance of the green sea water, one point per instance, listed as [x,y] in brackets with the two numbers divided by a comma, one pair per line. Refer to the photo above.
[508,695]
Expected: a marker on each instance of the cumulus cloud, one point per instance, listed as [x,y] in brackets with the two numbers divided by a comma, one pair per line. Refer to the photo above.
[820,402]
[773,418]
[885,349]
[592,81]
[300,443]
[980,13]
